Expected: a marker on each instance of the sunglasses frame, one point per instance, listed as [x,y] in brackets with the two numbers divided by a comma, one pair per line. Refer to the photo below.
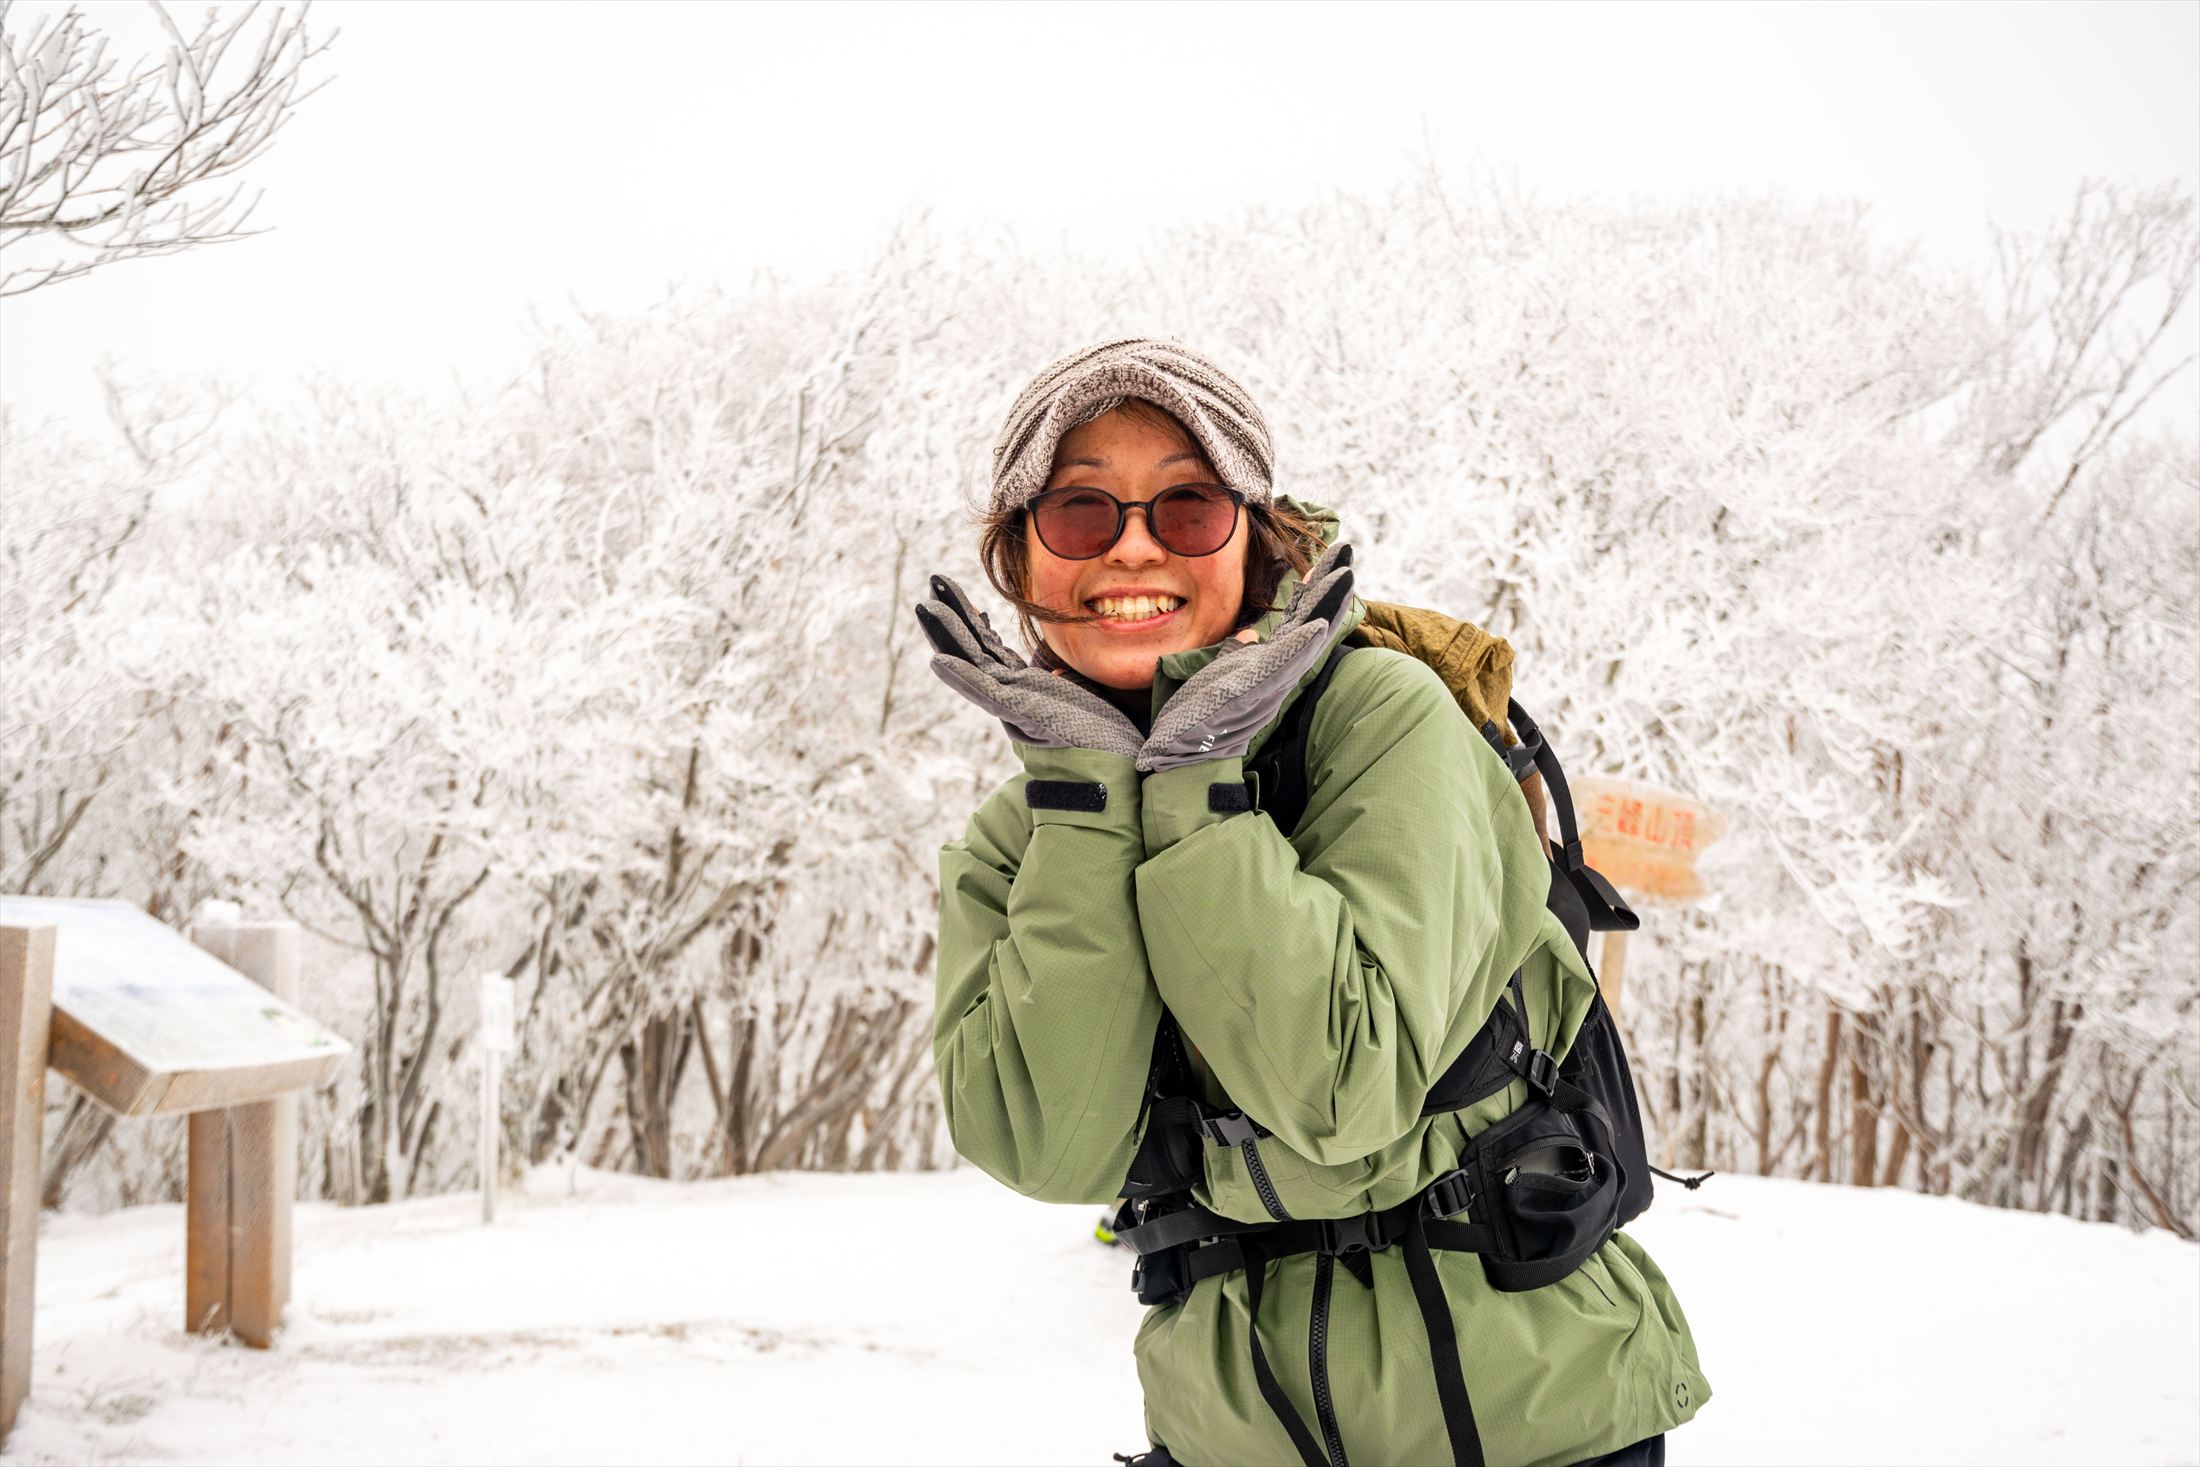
[1123,508]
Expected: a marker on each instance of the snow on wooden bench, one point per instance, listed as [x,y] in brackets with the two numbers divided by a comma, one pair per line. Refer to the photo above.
[150,1021]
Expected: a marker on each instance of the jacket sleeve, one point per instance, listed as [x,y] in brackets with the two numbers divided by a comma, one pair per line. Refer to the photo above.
[1046,1012]
[1330,977]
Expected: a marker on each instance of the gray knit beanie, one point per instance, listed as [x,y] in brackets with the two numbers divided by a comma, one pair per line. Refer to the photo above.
[1164,372]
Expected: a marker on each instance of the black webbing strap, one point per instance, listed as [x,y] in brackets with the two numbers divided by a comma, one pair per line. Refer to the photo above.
[1616,915]
[1186,1225]
[1554,779]
[1565,1095]
[1251,1246]
[1227,1255]
[1271,1389]
[1443,1347]
[1366,1232]
[1280,766]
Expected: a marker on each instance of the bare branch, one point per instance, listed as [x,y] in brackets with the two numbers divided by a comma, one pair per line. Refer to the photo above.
[98,169]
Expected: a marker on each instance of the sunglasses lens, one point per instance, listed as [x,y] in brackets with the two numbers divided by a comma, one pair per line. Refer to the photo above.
[1194,520]
[1077,525]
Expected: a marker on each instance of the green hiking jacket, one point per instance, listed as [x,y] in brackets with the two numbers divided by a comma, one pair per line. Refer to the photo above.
[1325,980]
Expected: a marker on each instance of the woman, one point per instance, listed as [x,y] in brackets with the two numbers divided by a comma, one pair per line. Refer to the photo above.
[1322,980]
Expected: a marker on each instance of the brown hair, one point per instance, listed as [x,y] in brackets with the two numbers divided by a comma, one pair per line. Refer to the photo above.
[1277,538]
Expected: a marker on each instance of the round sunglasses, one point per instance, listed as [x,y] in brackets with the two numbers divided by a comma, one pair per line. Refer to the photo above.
[1190,520]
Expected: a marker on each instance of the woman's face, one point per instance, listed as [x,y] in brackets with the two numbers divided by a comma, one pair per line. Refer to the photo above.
[1198,597]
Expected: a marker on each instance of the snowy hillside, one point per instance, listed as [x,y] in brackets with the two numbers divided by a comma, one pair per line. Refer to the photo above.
[822,1318]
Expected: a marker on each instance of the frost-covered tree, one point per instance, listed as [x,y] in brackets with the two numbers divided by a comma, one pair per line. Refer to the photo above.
[766,829]
[604,679]
[100,165]
[75,510]
[77,737]
[325,637]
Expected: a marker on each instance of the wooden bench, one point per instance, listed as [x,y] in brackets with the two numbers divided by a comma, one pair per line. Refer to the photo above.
[149,1021]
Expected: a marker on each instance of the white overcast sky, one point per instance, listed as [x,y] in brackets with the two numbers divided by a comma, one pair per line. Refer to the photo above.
[471,158]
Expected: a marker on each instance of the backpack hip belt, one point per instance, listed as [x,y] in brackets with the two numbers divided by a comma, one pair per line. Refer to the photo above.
[1561,1139]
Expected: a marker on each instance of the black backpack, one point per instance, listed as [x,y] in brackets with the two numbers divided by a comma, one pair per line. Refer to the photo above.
[1543,1188]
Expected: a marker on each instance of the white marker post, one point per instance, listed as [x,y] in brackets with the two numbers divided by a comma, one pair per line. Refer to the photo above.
[495,1042]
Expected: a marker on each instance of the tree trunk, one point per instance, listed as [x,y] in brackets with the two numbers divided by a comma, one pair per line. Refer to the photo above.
[1699,1083]
[1898,1152]
[1766,1064]
[1821,1162]
[747,1032]
[1863,1119]
[1675,1118]
[2039,1100]
[654,1060]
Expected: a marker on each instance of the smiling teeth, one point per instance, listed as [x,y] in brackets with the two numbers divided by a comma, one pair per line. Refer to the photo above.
[1135,608]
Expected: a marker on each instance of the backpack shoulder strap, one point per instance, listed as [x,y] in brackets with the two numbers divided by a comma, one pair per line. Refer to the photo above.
[1280,766]
[1583,899]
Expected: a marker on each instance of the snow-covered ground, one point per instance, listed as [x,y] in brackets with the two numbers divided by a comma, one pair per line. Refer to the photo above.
[940,1318]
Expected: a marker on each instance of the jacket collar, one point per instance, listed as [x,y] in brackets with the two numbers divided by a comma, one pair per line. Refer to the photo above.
[1177,668]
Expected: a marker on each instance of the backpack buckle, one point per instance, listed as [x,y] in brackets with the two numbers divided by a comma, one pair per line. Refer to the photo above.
[1231,1128]
[1346,1235]
[1541,1073]
[1449,1195]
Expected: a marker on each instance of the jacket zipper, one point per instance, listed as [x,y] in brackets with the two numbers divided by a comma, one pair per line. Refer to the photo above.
[1325,1409]
[1259,1173]
[1248,1148]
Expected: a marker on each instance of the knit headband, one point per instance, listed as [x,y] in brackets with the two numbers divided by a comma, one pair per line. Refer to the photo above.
[1164,372]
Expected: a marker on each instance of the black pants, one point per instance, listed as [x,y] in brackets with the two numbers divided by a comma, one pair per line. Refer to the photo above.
[1649,1452]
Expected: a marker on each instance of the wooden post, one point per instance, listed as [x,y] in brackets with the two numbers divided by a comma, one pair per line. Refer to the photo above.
[1612,968]
[243,1169]
[26,1032]
[206,1223]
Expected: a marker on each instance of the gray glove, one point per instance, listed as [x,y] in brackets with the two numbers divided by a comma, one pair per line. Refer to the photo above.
[1217,712]
[1036,707]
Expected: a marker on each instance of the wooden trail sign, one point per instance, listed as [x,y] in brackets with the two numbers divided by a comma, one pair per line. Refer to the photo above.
[147,1021]
[1644,840]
